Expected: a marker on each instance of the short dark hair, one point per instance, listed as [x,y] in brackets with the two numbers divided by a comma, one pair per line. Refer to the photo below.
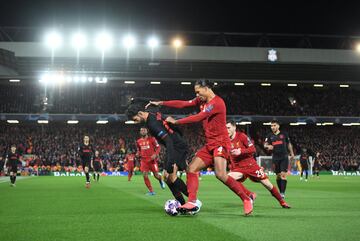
[275,122]
[138,104]
[205,83]
[232,122]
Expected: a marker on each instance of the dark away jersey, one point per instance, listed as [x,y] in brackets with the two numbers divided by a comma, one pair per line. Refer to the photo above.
[86,152]
[280,143]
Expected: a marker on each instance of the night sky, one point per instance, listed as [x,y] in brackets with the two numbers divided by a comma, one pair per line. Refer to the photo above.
[303,17]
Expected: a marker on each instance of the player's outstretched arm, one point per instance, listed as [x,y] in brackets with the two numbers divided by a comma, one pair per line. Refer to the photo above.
[190,119]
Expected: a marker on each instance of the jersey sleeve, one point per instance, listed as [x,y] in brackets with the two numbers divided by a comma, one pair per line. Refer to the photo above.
[181,103]
[157,128]
[205,113]
[268,139]
[287,138]
[248,144]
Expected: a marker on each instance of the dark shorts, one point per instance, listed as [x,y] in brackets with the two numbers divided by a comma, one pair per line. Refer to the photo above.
[179,158]
[304,166]
[97,166]
[281,165]
[13,168]
[86,163]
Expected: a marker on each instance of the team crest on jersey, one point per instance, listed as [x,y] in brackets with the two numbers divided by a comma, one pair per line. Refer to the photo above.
[209,108]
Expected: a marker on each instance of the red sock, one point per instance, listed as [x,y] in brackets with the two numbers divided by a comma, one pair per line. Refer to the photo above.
[274,191]
[129,175]
[247,191]
[237,188]
[192,182]
[148,184]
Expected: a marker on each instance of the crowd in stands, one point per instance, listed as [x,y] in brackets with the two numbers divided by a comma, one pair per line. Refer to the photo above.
[53,147]
[240,100]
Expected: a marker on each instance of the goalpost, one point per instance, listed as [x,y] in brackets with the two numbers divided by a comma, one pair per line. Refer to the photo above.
[294,165]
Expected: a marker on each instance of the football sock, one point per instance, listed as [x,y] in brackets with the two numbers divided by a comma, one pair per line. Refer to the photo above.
[192,181]
[181,186]
[237,188]
[176,193]
[275,193]
[87,177]
[148,183]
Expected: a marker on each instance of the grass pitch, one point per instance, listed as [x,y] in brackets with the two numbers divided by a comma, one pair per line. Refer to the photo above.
[60,208]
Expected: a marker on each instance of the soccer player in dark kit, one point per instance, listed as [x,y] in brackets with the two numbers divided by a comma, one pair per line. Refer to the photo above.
[279,143]
[97,166]
[86,153]
[216,150]
[171,138]
[304,162]
[11,162]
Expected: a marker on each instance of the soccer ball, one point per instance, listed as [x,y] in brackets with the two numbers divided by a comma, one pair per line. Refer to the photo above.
[171,206]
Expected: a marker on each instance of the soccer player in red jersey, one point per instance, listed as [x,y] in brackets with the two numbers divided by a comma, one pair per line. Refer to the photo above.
[130,160]
[148,152]
[243,164]
[217,148]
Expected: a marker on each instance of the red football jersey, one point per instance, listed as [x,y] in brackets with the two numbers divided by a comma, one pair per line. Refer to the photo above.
[147,147]
[243,142]
[130,158]
[213,117]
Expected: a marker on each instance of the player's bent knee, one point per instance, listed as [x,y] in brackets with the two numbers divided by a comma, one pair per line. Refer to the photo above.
[236,175]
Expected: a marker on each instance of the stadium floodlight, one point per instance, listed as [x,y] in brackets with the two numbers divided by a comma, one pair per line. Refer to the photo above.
[239,84]
[177,43]
[265,84]
[358,47]
[347,124]
[355,124]
[153,42]
[292,85]
[318,85]
[76,78]
[327,123]
[12,121]
[69,78]
[102,122]
[243,123]
[90,79]
[130,82]
[14,80]
[301,123]
[104,41]
[129,42]
[155,82]
[129,122]
[267,123]
[344,86]
[185,83]
[318,124]
[72,122]
[294,124]
[53,40]
[83,79]
[79,41]
[43,122]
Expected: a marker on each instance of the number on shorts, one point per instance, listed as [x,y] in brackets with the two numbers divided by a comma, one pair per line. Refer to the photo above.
[260,173]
